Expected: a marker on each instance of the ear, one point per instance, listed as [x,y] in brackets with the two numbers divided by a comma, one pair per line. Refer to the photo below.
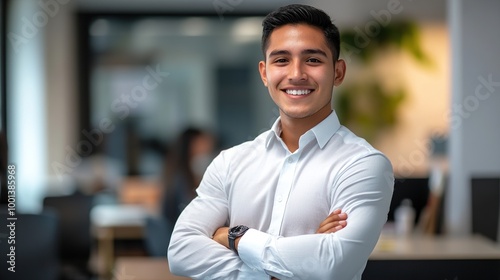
[262,70]
[340,69]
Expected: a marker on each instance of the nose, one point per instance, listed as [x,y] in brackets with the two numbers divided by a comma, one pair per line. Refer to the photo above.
[297,72]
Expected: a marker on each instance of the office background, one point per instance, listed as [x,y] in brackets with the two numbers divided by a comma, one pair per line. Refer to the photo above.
[70,65]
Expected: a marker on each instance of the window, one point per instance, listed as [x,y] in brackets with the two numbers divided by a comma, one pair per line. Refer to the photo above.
[150,76]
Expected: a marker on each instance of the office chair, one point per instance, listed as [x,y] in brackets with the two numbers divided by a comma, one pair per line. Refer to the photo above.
[158,232]
[36,246]
[74,231]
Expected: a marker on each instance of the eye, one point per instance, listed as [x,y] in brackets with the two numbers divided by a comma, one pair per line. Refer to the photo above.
[313,60]
[280,60]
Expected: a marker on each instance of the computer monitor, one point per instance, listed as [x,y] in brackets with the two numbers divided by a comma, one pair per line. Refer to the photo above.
[485,195]
[415,189]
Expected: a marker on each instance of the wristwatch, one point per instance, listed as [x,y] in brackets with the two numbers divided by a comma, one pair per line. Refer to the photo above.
[234,233]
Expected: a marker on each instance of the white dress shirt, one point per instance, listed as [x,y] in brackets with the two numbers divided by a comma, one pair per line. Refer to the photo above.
[283,197]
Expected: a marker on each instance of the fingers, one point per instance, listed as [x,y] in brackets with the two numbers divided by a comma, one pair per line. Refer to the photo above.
[335,212]
[332,227]
[333,223]
[335,216]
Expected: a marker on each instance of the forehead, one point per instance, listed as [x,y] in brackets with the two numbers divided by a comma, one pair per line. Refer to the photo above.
[297,37]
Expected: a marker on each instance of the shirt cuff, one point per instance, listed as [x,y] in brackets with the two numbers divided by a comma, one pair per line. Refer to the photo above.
[249,273]
[251,248]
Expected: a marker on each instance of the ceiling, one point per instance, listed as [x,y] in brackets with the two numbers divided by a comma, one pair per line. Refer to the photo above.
[343,11]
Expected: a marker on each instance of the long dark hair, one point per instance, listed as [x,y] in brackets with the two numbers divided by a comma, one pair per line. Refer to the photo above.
[178,162]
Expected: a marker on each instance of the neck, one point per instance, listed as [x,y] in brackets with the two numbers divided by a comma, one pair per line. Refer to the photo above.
[292,129]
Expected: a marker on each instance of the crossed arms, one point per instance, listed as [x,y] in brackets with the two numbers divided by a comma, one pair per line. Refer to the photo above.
[335,251]
[334,222]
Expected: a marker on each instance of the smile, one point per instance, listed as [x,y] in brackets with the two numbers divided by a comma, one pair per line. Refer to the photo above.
[298,91]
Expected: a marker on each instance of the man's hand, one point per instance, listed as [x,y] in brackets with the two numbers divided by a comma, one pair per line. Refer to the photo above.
[333,223]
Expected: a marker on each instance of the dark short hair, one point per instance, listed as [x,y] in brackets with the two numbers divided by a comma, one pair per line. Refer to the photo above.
[296,14]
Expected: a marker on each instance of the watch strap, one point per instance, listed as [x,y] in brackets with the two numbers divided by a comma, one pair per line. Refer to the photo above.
[234,233]
[232,240]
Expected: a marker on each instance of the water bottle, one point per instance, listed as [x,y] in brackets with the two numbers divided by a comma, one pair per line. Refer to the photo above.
[404,218]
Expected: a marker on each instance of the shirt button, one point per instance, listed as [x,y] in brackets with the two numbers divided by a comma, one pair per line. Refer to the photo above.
[280,198]
[290,160]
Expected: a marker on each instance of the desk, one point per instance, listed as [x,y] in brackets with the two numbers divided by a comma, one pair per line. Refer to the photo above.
[143,268]
[111,222]
[434,257]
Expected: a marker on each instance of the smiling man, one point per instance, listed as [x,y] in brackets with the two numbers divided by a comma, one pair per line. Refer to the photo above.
[270,208]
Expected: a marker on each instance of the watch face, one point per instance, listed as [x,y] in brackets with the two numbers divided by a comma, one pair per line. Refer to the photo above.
[238,230]
[234,233]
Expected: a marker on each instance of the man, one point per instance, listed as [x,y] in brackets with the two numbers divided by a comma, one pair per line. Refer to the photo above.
[268,208]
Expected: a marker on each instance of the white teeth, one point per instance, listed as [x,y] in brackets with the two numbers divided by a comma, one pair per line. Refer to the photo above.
[298,91]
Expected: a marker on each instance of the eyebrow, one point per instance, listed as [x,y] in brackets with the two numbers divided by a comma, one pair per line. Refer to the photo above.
[306,51]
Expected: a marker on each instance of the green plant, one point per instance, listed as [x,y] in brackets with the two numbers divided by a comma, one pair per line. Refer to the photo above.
[400,35]
[369,107]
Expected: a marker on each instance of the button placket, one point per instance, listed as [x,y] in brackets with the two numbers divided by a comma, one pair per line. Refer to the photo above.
[283,189]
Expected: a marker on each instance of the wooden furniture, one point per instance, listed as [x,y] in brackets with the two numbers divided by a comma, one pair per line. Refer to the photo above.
[114,222]
[433,257]
[140,191]
[417,257]
[143,268]
[435,248]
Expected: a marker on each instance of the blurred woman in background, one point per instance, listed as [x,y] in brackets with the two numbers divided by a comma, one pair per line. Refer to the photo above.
[190,156]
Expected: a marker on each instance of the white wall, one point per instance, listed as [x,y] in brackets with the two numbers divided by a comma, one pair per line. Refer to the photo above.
[42,113]
[61,89]
[26,102]
[475,114]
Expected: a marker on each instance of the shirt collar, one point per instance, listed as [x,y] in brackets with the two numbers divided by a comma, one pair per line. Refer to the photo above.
[323,131]
[274,133]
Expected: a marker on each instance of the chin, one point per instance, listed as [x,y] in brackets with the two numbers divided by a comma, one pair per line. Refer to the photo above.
[297,115]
